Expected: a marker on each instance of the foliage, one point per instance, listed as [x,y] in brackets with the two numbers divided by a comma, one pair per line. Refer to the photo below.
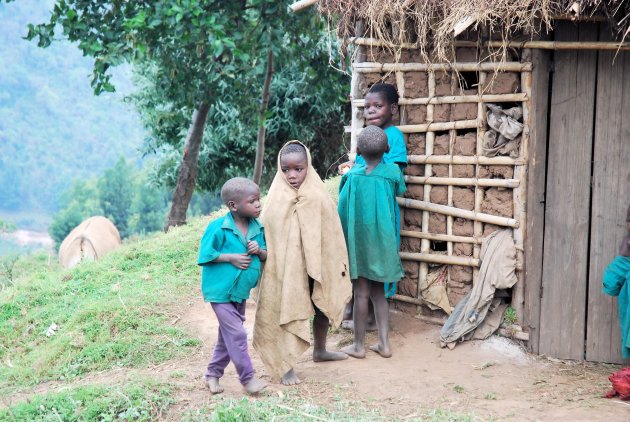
[149,207]
[307,102]
[116,190]
[52,128]
[509,318]
[7,273]
[139,401]
[6,226]
[116,312]
[78,203]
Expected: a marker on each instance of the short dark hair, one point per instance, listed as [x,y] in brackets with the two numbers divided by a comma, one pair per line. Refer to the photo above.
[293,148]
[388,91]
[235,188]
[372,141]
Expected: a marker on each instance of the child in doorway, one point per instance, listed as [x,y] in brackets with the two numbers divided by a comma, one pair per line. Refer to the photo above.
[367,208]
[307,271]
[617,283]
[230,254]
[381,105]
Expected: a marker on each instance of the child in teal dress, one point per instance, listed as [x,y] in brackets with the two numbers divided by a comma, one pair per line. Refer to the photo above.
[381,105]
[617,283]
[367,209]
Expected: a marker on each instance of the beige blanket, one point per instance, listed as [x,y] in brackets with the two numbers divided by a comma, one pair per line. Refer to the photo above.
[304,238]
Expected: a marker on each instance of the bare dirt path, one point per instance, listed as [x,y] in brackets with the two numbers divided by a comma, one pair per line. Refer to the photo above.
[492,379]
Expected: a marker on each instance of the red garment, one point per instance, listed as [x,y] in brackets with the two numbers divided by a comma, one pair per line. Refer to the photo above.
[621,384]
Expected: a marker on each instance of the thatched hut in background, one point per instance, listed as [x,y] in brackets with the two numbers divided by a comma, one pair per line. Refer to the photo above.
[562,185]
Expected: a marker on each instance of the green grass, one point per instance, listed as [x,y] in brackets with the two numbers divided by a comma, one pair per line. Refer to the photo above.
[112,313]
[139,402]
[510,316]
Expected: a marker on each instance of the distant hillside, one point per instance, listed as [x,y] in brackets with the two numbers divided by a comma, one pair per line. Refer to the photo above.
[52,127]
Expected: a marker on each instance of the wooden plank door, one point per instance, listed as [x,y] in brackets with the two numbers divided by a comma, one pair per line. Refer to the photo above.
[610,200]
[565,262]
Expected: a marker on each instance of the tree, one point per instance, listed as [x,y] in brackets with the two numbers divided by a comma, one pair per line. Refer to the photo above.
[149,207]
[199,48]
[116,192]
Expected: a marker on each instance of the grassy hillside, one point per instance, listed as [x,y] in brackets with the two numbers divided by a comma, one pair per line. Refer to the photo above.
[112,313]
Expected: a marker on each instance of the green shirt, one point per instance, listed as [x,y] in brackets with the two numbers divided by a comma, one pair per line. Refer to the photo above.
[222,282]
[367,209]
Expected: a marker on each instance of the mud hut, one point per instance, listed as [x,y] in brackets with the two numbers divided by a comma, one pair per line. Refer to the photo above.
[562,185]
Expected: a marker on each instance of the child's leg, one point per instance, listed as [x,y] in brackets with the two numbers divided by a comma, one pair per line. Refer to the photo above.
[220,360]
[381,311]
[320,331]
[359,316]
[231,317]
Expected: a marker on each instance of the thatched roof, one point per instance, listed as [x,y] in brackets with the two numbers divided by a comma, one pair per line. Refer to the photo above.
[431,24]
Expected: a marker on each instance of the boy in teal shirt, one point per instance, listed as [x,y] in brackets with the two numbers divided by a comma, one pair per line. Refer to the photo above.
[617,283]
[230,254]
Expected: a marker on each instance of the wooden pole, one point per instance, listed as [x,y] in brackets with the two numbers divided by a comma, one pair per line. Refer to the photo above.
[375,67]
[425,244]
[462,181]
[457,212]
[479,193]
[520,195]
[456,99]
[439,259]
[301,5]
[440,237]
[433,127]
[449,159]
[540,45]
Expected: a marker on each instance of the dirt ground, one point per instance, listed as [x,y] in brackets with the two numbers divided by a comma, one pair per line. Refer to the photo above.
[492,379]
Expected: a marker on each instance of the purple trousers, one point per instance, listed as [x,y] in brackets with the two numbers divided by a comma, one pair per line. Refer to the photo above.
[232,342]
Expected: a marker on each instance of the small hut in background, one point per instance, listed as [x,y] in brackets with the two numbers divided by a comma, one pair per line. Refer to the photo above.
[558,72]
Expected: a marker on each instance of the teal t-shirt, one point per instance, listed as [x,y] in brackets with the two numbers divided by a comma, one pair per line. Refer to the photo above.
[397,149]
[617,283]
[222,282]
[367,209]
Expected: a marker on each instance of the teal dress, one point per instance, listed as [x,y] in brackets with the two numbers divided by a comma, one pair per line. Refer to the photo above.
[222,282]
[367,209]
[617,283]
[398,155]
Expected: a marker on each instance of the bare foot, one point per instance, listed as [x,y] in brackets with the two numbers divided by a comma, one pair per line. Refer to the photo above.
[381,350]
[254,386]
[325,355]
[290,378]
[214,386]
[353,351]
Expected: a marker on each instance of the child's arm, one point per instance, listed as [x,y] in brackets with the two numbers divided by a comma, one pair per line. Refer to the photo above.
[239,260]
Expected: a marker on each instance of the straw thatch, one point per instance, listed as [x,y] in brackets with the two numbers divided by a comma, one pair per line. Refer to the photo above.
[429,24]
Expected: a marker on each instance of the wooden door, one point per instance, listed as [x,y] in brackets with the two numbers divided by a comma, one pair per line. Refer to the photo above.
[587,195]
[568,194]
[610,199]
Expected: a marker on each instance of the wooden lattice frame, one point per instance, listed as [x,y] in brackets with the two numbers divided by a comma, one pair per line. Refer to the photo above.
[518,183]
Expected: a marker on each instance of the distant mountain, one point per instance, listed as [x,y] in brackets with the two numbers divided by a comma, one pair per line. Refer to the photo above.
[52,127]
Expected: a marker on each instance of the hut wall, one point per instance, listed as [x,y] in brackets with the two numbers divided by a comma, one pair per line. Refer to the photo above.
[455,195]
[571,179]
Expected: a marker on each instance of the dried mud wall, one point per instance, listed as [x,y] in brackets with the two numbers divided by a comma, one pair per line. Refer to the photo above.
[443,113]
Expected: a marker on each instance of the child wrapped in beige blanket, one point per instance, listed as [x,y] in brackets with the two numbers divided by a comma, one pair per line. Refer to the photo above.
[306,273]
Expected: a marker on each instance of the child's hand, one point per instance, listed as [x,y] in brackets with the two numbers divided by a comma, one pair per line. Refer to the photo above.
[240,260]
[253,248]
[345,167]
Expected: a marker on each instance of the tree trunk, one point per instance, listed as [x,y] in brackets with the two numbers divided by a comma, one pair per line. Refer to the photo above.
[260,140]
[188,169]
